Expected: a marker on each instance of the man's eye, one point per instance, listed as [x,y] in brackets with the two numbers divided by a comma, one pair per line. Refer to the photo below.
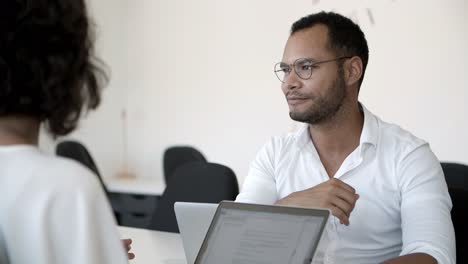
[286,70]
[307,67]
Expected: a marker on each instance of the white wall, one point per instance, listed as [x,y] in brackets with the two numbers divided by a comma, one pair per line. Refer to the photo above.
[200,73]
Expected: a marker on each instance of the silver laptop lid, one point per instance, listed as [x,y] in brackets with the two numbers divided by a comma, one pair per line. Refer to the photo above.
[252,233]
[193,220]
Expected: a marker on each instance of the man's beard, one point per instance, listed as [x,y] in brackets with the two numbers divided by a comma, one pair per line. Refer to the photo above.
[324,108]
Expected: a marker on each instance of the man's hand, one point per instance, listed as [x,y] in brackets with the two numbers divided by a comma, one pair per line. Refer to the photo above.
[333,194]
[127,244]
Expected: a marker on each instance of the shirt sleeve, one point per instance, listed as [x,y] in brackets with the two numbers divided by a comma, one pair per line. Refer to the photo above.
[260,185]
[425,207]
[92,231]
[70,221]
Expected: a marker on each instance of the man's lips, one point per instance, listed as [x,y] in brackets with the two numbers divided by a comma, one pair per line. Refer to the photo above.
[295,100]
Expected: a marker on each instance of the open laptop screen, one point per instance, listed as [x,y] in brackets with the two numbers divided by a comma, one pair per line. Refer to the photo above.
[248,233]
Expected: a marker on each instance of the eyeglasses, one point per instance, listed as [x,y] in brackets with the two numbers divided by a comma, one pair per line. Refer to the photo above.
[303,68]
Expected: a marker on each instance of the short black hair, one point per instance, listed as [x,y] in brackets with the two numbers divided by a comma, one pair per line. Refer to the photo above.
[47,65]
[345,38]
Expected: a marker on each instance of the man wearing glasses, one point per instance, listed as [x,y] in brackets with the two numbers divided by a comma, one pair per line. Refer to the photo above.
[384,187]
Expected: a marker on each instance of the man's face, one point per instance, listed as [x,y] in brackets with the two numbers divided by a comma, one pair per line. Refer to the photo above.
[319,98]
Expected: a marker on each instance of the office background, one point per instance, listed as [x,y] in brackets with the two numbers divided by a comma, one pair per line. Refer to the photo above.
[201,73]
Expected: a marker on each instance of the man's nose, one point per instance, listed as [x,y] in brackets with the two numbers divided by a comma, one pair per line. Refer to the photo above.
[291,81]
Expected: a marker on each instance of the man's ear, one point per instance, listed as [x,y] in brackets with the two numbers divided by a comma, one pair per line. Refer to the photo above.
[353,70]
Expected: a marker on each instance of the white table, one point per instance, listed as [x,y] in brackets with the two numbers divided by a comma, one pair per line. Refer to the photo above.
[154,247]
[135,186]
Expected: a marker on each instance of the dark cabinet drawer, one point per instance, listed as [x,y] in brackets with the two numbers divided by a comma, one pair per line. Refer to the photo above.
[138,220]
[134,210]
[138,203]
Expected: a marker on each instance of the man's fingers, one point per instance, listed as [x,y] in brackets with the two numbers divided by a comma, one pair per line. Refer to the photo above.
[340,214]
[342,205]
[131,255]
[343,191]
[341,184]
[343,200]
[346,196]
[333,194]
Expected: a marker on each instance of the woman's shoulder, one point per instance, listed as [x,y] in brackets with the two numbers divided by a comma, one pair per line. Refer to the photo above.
[68,173]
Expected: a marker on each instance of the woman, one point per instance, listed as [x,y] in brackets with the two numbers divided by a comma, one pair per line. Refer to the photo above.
[52,210]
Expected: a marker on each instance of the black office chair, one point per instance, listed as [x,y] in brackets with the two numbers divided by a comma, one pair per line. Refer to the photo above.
[456,176]
[194,182]
[75,150]
[176,156]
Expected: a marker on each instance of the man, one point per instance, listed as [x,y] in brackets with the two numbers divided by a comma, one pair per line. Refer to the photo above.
[384,187]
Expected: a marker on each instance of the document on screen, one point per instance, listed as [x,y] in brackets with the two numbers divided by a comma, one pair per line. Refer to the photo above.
[261,237]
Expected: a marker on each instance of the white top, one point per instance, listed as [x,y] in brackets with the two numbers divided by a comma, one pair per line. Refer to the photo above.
[404,205]
[53,211]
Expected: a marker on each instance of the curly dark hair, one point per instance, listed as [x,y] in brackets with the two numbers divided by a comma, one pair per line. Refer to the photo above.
[345,38]
[47,65]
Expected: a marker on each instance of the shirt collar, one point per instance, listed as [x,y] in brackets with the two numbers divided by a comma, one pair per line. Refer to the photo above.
[369,132]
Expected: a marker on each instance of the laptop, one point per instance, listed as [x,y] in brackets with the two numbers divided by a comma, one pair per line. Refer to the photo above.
[253,233]
[193,220]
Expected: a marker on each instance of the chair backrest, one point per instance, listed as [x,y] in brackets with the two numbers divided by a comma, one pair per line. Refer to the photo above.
[3,249]
[77,151]
[176,156]
[199,182]
[456,176]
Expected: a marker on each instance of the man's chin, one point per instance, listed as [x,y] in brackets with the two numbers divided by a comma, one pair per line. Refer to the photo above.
[306,118]
[299,117]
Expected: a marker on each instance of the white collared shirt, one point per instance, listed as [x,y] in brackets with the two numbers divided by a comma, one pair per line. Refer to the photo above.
[404,205]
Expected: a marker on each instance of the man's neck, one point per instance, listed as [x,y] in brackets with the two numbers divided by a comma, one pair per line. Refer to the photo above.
[338,137]
[19,130]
